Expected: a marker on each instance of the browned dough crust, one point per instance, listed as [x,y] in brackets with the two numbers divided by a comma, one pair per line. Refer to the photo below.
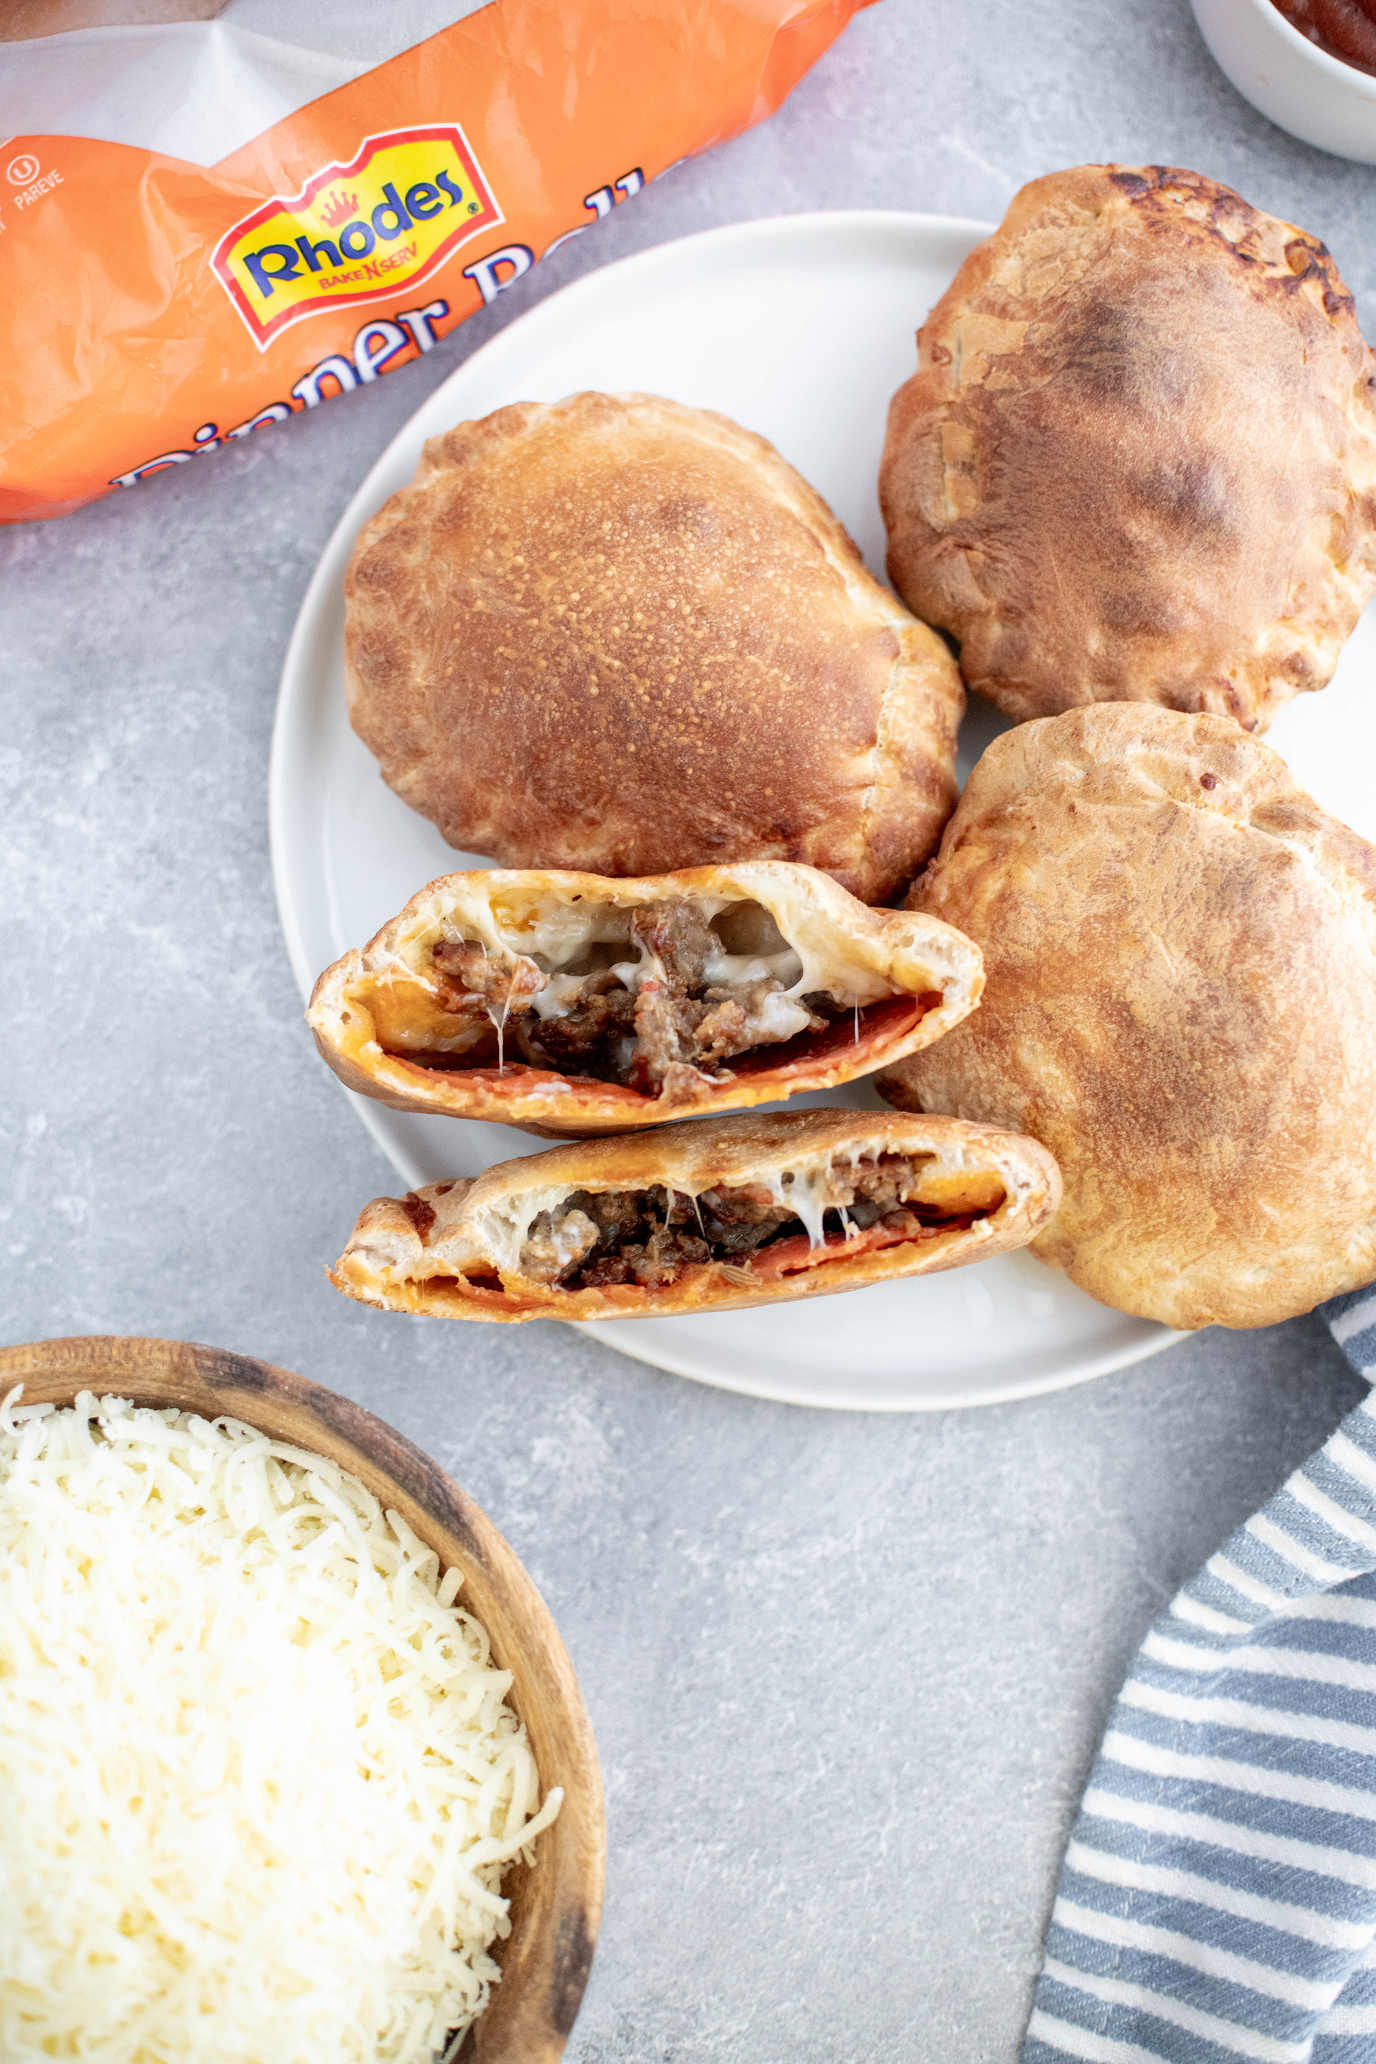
[435,1251]
[1137,462]
[367,998]
[618,634]
[1180,948]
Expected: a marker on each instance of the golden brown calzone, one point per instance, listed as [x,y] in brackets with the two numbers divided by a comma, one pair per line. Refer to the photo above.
[1138,459]
[1180,948]
[618,634]
[570,1004]
[703,1217]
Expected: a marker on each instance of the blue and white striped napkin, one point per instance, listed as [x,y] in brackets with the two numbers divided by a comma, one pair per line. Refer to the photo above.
[1218,1898]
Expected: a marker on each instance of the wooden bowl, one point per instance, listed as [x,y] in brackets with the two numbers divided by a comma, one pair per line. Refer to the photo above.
[556,1904]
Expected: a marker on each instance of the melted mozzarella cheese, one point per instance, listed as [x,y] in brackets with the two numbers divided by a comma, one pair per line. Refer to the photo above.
[558,997]
[808,1191]
[776,1017]
[784,967]
[557,934]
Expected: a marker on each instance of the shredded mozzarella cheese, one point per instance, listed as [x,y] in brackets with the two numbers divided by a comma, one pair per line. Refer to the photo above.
[257,1777]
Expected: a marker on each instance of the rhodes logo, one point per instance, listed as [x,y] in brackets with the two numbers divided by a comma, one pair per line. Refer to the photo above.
[355,232]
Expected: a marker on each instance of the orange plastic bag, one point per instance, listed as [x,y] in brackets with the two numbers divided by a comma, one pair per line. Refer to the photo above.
[157,308]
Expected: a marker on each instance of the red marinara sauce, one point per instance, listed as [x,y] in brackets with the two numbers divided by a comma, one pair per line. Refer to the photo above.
[1344,28]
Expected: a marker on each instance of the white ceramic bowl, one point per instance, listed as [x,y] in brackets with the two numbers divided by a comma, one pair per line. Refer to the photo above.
[1298,86]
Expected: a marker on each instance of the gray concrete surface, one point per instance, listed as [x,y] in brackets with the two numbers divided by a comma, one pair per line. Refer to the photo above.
[847,1673]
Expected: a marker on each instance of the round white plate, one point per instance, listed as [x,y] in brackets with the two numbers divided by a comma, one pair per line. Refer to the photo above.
[800,328]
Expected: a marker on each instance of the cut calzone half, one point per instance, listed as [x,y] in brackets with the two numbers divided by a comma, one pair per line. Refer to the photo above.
[704,1217]
[572,1004]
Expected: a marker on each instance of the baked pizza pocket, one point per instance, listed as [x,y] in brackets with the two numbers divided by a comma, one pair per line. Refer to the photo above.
[571,1004]
[713,1216]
